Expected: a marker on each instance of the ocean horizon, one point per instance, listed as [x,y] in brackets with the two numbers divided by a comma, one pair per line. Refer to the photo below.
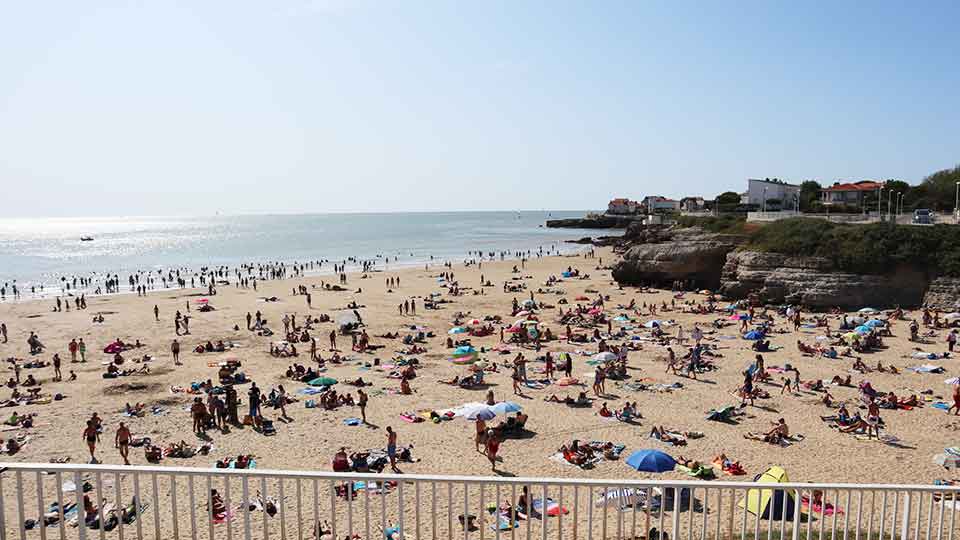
[37,251]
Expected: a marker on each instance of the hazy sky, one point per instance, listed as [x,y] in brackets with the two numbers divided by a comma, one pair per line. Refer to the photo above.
[166,107]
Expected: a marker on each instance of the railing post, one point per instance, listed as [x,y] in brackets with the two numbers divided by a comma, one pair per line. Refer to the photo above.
[905,524]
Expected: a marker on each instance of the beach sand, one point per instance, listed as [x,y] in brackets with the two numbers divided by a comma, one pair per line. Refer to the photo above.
[310,439]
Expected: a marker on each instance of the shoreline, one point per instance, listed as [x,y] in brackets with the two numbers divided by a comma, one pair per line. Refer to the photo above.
[352,264]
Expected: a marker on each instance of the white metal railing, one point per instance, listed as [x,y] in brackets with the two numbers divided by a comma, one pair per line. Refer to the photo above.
[174,503]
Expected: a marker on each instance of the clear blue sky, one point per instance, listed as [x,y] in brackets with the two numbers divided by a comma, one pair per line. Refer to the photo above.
[160,108]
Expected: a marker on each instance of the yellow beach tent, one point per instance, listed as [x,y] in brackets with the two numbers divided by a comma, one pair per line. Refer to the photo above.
[769,503]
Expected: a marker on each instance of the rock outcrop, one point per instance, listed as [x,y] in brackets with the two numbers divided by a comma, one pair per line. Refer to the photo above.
[815,282]
[943,294]
[592,222]
[662,257]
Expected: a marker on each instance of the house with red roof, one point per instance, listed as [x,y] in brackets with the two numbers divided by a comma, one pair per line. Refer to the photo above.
[849,193]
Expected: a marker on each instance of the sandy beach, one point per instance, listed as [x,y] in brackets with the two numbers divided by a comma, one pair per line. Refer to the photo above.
[312,436]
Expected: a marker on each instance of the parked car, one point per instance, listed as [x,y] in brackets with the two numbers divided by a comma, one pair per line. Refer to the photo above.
[923,216]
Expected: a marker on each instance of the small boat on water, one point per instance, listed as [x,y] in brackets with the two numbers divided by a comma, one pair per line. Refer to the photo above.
[86,239]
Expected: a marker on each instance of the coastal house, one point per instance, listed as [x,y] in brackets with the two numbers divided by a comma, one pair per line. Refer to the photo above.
[656,203]
[762,191]
[693,204]
[621,206]
[849,193]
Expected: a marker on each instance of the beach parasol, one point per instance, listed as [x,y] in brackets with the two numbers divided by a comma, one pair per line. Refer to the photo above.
[458,330]
[862,329]
[323,381]
[505,407]
[867,310]
[529,303]
[874,323]
[651,461]
[605,356]
[954,381]
[481,414]
[653,324]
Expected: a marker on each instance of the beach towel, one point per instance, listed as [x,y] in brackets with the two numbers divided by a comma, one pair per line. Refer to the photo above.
[553,508]
[504,523]
[702,472]
[926,368]
[818,508]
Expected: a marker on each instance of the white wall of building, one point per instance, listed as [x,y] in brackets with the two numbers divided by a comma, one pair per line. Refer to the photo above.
[774,190]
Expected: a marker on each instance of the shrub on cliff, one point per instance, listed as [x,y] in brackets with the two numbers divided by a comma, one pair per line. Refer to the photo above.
[866,249]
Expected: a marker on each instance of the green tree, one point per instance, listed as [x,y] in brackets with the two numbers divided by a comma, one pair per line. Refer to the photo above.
[728,198]
[941,188]
[809,194]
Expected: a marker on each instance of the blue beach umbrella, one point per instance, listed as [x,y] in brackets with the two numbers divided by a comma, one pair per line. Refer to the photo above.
[651,461]
[875,323]
[458,330]
[481,414]
[753,335]
[505,407]
[862,329]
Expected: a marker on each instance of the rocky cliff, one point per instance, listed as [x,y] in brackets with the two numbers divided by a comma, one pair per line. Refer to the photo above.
[592,222]
[661,256]
[815,282]
[943,293]
[731,264]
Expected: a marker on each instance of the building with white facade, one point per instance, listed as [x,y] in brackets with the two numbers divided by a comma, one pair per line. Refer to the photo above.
[768,189]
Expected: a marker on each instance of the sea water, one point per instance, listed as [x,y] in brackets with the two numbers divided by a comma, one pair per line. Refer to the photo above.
[35,251]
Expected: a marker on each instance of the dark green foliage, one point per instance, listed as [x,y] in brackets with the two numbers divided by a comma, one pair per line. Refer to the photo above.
[724,223]
[866,249]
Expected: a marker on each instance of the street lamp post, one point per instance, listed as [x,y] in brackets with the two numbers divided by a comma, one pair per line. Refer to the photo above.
[956,205]
[765,200]
[879,201]
[888,204]
[899,205]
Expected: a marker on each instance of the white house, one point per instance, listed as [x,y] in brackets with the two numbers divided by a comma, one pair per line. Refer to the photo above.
[759,191]
[654,203]
[622,206]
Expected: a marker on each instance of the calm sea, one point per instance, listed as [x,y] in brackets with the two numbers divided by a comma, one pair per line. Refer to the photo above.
[34,251]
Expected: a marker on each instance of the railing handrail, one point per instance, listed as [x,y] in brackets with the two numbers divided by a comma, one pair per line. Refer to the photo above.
[344,476]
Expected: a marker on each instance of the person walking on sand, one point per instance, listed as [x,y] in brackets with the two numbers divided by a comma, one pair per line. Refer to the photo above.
[122,442]
[392,448]
[491,448]
[362,403]
[175,349]
[156,312]
[333,340]
[57,375]
[73,348]
[199,413]
[254,395]
[91,436]
[82,347]
[956,400]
